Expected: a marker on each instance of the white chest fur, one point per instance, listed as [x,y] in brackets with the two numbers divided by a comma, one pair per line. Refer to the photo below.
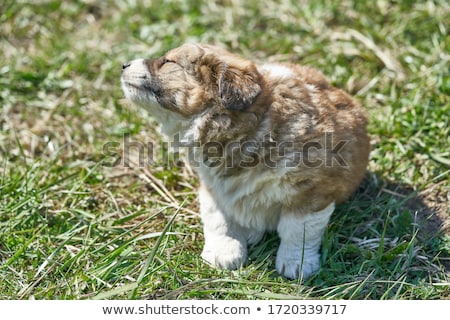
[252,199]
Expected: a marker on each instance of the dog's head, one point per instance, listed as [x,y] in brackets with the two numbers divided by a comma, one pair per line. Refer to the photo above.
[191,78]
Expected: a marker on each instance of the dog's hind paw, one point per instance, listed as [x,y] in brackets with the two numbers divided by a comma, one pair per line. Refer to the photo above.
[297,267]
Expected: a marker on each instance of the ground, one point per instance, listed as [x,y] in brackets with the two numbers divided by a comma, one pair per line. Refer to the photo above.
[92,204]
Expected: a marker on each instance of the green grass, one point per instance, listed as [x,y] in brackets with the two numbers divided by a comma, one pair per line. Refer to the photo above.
[73,227]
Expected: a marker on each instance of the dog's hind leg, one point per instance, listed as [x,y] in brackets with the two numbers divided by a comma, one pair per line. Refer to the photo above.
[301,237]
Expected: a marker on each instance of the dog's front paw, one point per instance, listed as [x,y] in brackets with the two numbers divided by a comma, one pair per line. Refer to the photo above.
[225,252]
[295,266]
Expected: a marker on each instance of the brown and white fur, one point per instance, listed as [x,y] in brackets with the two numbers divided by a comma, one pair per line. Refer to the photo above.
[298,147]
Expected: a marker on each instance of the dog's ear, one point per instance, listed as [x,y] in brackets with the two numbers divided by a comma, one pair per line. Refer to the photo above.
[237,80]
[238,87]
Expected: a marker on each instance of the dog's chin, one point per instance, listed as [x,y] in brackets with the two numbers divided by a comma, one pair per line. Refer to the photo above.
[139,94]
[170,122]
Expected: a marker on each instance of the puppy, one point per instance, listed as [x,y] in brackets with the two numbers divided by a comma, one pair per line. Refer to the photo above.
[275,147]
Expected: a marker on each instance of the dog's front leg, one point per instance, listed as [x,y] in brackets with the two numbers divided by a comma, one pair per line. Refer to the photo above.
[301,237]
[225,241]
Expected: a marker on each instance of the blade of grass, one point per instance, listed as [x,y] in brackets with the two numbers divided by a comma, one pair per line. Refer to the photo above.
[116,291]
[150,259]
[19,252]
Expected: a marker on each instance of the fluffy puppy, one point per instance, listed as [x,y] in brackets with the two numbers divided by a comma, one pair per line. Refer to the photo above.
[275,147]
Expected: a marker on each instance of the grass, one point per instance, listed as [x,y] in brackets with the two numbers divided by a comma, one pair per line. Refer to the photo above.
[72,226]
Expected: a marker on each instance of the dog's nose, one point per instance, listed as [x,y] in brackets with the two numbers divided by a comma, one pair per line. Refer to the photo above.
[125,65]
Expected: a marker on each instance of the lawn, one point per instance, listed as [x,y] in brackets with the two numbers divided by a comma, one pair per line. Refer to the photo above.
[93,206]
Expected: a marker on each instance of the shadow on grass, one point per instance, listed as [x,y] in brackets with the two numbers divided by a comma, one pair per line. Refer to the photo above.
[408,213]
[383,243]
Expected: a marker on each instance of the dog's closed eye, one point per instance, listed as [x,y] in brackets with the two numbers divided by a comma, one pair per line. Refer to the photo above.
[165,61]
